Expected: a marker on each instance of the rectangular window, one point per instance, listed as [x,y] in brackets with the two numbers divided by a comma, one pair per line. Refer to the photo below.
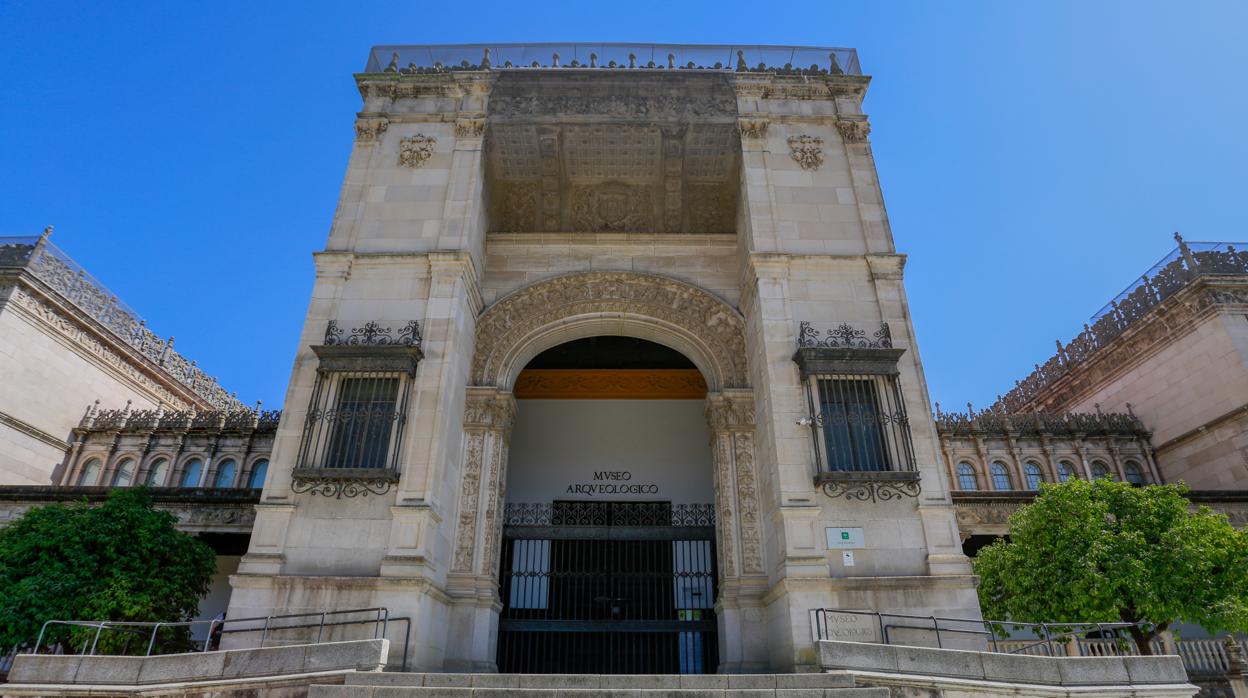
[861,423]
[355,421]
[362,422]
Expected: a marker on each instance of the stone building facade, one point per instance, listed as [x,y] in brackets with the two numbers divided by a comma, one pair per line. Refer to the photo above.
[1005,452]
[1173,349]
[511,202]
[67,340]
[609,301]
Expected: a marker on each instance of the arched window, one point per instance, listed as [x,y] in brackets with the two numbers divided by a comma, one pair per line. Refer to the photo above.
[125,474]
[1065,471]
[1000,476]
[1031,471]
[1099,470]
[190,475]
[258,470]
[225,474]
[157,474]
[966,477]
[1135,476]
[90,473]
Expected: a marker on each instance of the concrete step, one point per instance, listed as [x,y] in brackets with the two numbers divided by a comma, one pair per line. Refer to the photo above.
[400,685]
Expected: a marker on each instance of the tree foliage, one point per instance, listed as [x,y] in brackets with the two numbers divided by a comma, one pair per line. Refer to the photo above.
[1105,551]
[122,560]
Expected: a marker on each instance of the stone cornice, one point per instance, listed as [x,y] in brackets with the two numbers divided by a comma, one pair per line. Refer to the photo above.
[728,240]
[36,304]
[1164,324]
[33,431]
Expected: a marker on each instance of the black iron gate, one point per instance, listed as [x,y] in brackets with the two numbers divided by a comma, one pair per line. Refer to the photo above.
[608,588]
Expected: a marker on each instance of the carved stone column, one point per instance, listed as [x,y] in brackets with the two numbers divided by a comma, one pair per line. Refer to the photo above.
[739,534]
[473,580]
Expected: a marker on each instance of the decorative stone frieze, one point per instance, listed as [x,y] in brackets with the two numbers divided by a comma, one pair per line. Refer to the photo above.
[415,151]
[488,418]
[731,419]
[469,128]
[613,207]
[852,130]
[807,151]
[752,128]
[369,128]
[505,327]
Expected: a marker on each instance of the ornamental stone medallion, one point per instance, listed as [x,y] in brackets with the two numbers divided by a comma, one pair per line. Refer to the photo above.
[807,151]
[415,151]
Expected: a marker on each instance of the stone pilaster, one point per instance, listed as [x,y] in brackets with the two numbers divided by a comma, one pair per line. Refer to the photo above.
[473,580]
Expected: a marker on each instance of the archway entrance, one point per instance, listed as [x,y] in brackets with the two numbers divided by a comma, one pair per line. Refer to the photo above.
[608,561]
[703,329]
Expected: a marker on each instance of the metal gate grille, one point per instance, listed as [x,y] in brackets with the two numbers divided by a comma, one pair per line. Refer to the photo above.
[608,588]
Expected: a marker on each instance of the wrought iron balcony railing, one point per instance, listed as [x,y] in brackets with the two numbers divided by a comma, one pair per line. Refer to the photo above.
[1186,263]
[782,60]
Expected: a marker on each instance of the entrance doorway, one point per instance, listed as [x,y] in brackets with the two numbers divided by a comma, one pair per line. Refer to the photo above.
[608,561]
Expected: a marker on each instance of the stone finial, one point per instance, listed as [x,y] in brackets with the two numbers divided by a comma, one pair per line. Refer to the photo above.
[554,61]
[393,67]
[1188,258]
[632,60]
[835,66]
[88,417]
[47,233]
[593,60]
[938,414]
[485,60]
[741,66]
[671,61]
[1236,665]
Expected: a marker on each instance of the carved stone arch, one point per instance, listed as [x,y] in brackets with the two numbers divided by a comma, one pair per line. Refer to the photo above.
[674,313]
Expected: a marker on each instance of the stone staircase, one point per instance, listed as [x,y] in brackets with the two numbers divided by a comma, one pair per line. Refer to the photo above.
[400,685]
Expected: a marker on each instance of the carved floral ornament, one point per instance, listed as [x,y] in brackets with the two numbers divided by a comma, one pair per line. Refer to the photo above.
[371,127]
[853,131]
[415,151]
[752,128]
[469,128]
[807,151]
[695,315]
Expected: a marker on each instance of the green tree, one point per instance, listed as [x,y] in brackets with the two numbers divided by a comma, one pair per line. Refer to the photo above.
[122,560]
[1105,551]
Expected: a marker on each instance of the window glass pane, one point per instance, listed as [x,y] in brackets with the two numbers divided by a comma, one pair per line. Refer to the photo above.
[190,476]
[1000,477]
[1099,469]
[362,422]
[124,475]
[1065,471]
[966,477]
[852,430]
[1134,475]
[90,473]
[258,472]
[225,474]
[1034,478]
[156,476]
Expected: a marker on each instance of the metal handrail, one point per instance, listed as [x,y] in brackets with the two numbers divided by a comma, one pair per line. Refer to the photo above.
[381,624]
[1052,632]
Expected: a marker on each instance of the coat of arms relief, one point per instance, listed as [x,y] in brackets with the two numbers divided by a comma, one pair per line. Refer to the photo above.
[414,151]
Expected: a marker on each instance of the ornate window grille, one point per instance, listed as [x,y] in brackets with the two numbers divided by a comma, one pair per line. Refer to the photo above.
[355,421]
[353,433]
[859,427]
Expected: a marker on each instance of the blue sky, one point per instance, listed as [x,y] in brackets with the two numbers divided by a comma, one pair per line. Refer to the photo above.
[1035,156]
